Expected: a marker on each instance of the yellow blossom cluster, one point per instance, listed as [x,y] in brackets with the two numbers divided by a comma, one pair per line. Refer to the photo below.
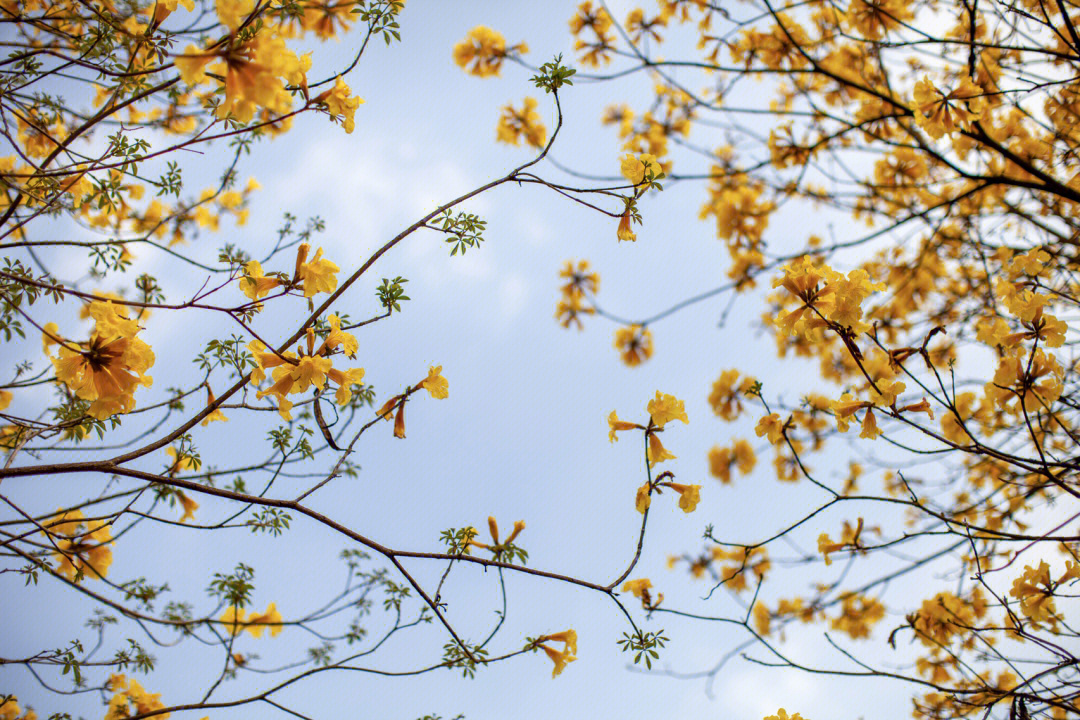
[591,27]
[559,657]
[483,50]
[437,386]
[581,282]
[252,70]
[10,710]
[107,368]
[634,343]
[129,698]
[515,125]
[235,620]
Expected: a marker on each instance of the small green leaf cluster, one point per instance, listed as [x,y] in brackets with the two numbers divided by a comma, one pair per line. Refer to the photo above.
[644,645]
[553,75]
[391,293]
[465,230]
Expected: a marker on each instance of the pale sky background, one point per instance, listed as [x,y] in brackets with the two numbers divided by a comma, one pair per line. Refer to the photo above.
[523,434]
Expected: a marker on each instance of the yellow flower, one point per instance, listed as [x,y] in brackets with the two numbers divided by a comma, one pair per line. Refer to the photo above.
[772,426]
[634,344]
[781,714]
[338,337]
[616,425]
[524,123]
[294,379]
[689,495]
[252,71]
[189,505]
[642,499]
[338,102]
[264,359]
[939,114]
[163,8]
[638,587]
[399,422]
[624,232]
[666,407]
[436,385]
[569,637]
[5,399]
[1035,591]
[130,699]
[9,709]
[270,619]
[345,381]
[482,51]
[255,284]
[108,367]
[233,619]
[561,659]
[232,13]
[215,415]
[180,461]
[657,453]
[720,462]
[870,429]
[318,275]
[636,169]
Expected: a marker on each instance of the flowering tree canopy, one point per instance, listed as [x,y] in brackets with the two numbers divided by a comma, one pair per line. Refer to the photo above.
[896,190]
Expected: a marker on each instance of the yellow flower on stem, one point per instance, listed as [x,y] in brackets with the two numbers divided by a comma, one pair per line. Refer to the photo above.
[642,498]
[657,453]
[870,429]
[772,426]
[5,399]
[624,231]
[689,495]
[616,425]
[399,422]
[436,385]
[388,407]
[108,367]
[180,461]
[666,407]
[519,525]
[294,379]
[253,72]
[939,113]
[164,8]
[318,275]
[569,637]
[270,619]
[637,169]
[189,505]
[345,381]
[255,284]
[338,102]
[215,415]
[264,360]
[638,587]
[561,659]
[339,338]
